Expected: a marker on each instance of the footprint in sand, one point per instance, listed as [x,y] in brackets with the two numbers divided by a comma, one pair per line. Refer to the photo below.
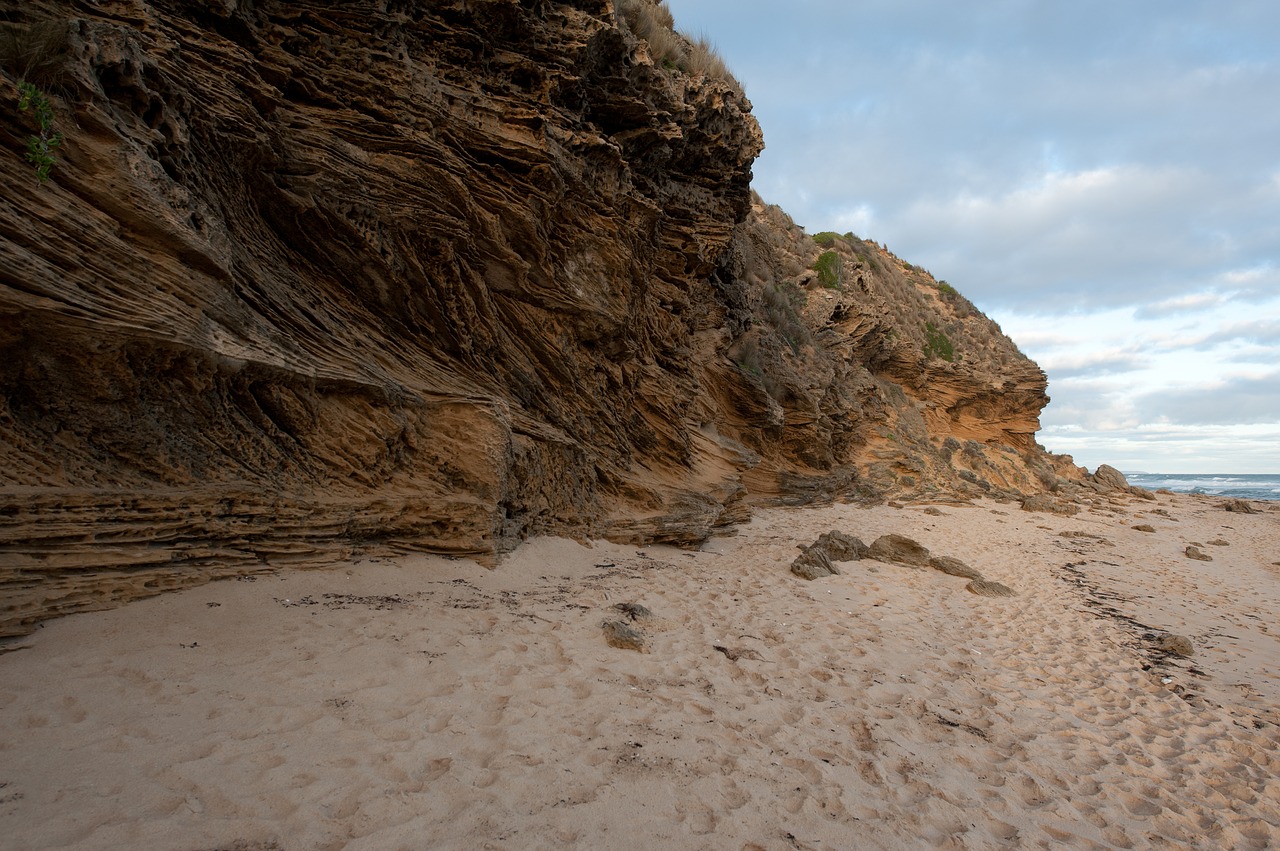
[1031,793]
[1139,806]
[437,768]
[697,817]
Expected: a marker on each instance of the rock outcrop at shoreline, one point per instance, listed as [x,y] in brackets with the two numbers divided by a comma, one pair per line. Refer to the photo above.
[311,277]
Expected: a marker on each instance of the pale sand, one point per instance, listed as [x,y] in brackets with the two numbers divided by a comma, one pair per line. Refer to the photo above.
[435,704]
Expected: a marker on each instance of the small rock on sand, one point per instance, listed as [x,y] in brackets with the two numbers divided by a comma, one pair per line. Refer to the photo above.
[954,567]
[1044,502]
[1198,554]
[1178,645]
[620,635]
[634,611]
[1145,527]
[1239,506]
[987,588]
[736,653]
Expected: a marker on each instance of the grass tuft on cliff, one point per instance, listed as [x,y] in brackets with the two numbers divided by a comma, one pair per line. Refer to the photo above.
[35,53]
[653,22]
[937,344]
[782,305]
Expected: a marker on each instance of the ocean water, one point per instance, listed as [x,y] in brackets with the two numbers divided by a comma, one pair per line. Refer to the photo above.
[1250,486]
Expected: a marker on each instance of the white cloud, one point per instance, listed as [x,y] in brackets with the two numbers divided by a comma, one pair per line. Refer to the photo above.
[1195,301]
[859,220]
[1099,177]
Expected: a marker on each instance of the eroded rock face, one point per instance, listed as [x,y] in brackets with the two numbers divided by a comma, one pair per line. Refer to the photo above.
[312,277]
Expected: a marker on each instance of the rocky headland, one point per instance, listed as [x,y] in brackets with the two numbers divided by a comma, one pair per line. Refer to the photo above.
[315,278]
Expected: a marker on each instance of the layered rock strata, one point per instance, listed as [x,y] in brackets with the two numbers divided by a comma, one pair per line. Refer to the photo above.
[315,277]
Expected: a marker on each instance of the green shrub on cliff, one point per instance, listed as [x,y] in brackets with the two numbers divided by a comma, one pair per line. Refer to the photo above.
[36,55]
[828,268]
[781,309]
[826,239]
[937,344]
[39,148]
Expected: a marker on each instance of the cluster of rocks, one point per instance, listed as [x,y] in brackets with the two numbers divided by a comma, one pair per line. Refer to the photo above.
[1068,496]
[819,559]
[624,633]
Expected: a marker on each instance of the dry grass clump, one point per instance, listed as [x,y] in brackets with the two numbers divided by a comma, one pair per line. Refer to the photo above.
[667,48]
[642,15]
[781,306]
[704,61]
[35,52]
[653,22]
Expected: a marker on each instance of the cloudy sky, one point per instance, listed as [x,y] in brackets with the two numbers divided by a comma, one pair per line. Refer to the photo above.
[1101,178]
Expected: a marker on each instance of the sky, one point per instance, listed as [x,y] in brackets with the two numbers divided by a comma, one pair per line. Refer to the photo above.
[1100,178]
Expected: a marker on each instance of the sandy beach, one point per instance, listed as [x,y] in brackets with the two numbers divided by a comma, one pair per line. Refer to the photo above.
[421,702]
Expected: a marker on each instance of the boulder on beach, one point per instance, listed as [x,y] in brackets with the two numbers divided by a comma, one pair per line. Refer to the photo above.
[840,546]
[1178,645]
[620,635]
[1110,478]
[1044,502]
[899,549]
[1239,506]
[987,588]
[813,563]
[954,567]
[815,560]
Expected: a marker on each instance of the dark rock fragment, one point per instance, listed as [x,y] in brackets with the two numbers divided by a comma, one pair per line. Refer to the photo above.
[736,653]
[634,611]
[620,635]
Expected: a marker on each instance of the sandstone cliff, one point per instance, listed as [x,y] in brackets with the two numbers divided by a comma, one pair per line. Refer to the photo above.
[310,277]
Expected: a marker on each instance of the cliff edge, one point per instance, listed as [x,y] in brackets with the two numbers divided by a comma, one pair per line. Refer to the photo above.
[313,277]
